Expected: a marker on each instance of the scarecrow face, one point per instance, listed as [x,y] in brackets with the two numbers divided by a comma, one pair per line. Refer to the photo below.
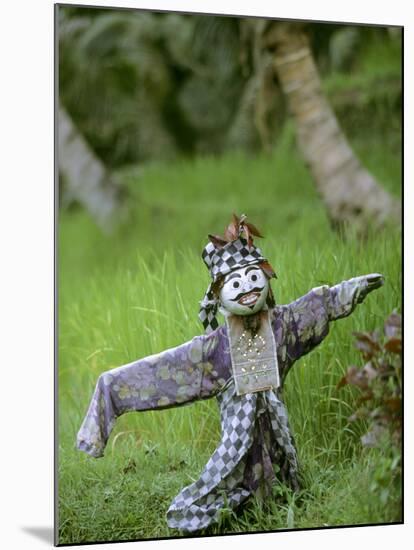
[244,290]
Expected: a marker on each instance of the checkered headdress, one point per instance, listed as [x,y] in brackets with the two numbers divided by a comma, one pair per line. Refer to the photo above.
[222,255]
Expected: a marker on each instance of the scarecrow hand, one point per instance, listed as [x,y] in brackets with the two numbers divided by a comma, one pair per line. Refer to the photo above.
[368,284]
[344,297]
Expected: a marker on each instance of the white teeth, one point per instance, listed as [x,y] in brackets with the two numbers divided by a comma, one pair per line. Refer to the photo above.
[248,299]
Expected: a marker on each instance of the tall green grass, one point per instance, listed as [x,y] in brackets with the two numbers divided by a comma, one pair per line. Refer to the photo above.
[136,292]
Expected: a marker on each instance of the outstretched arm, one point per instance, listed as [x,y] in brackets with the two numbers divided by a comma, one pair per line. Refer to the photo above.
[309,316]
[173,377]
[344,297]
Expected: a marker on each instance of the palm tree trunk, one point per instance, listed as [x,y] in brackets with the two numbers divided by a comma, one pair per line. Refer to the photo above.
[351,194]
[86,178]
[261,100]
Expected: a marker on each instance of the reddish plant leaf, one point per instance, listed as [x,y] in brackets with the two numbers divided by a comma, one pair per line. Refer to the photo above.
[366,396]
[373,437]
[393,404]
[394,345]
[356,377]
[392,325]
[378,414]
[379,382]
[367,343]
[370,371]
[342,382]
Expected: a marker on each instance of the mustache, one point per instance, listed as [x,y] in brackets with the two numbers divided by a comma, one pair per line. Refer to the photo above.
[255,289]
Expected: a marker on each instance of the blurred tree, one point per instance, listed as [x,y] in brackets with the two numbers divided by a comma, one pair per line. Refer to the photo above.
[141,86]
[260,113]
[350,193]
[211,96]
[114,80]
[86,179]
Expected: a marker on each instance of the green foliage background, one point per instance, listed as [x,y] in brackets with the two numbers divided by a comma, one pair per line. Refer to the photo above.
[135,292]
[145,86]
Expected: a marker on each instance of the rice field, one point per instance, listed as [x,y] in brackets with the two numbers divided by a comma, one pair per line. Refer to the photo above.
[135,292]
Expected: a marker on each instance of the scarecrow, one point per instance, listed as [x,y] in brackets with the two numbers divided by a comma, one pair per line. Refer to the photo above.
[243,363]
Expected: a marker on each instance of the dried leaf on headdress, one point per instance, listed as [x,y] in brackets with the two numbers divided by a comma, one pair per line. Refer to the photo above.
[253,230]
[236,227]
[217,285]
[249,229]
[232,231]
[270,300]
[268,269]
[218,241]
[236,219]
[249,238]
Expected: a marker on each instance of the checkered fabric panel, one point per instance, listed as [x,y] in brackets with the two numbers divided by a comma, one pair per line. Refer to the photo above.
[197,505]
[208,317]
[208,311]
[222,481]
[208,253]
[281,430]
[233,255]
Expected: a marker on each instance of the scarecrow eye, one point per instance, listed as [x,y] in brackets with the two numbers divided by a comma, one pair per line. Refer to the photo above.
[254,277]
[236,284]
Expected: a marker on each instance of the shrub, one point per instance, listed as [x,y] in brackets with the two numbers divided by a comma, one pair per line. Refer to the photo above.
[379,403]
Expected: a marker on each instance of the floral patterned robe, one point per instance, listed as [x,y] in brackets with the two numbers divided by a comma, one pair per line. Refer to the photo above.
[256,447]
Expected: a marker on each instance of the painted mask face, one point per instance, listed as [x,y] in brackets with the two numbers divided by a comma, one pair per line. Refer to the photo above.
[244,290]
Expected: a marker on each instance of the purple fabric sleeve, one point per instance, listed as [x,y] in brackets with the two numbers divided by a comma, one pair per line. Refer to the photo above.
[174,377]
[308,317]
[343,298]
